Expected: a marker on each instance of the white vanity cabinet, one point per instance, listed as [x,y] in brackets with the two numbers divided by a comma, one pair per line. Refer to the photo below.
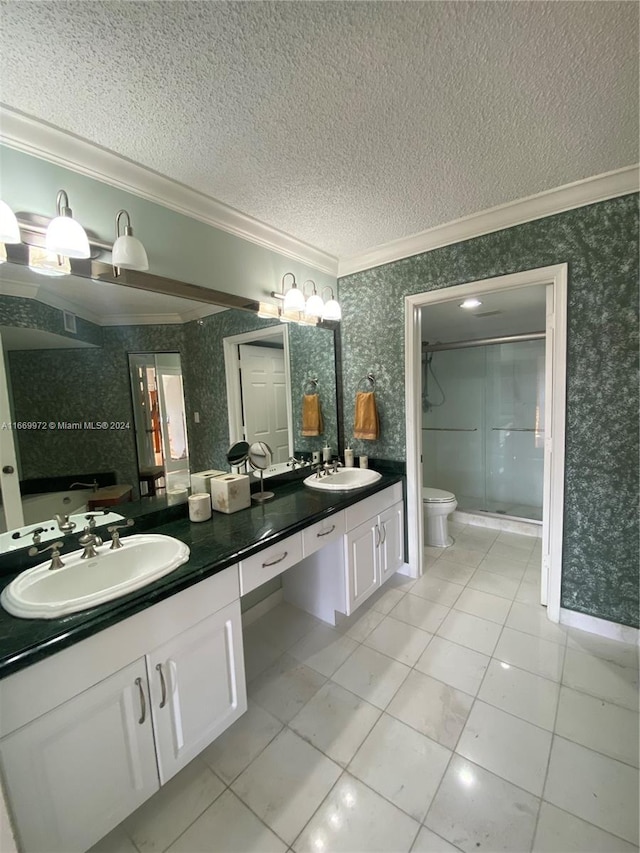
[195,689]
[373,552]
[98,733]
[77,771]
[364,546]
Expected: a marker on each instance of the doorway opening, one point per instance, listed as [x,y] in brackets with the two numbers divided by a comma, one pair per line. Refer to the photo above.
[258,378]
[160,421]
[485,402]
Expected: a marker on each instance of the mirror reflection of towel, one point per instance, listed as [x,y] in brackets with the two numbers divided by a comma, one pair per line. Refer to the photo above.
[312,423]
[366,423]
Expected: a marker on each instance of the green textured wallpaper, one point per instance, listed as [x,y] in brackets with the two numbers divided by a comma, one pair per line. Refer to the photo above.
[600,244]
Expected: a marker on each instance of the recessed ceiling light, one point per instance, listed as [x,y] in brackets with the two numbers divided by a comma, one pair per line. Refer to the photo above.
[470,303]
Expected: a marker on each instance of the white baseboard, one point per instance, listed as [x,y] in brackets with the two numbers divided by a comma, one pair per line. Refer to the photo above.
[602,627]
[525,528]
[262,607]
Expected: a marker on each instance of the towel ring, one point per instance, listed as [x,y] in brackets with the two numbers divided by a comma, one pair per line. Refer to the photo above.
[371,380]
[310,382]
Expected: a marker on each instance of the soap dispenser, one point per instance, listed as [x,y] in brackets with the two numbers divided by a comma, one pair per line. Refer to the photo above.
[348,458]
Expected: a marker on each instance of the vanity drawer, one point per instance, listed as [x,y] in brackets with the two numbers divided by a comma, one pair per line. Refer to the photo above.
[323,532]
[370,507]
[266,564]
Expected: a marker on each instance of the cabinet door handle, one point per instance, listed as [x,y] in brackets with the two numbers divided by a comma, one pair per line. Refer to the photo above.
[327,532]
[273,562]
[143,704]
[163,685]
[377,536]
[384,536]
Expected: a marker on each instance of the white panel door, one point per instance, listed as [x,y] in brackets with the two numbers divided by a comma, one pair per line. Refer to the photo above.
[75,772]
[363,576]
[391,548]
[197,687]
[264,398]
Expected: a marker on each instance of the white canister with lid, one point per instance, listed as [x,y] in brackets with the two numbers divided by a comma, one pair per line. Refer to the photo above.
[200,507]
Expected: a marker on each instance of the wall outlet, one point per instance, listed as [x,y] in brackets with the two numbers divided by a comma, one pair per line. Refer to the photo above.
[196,417]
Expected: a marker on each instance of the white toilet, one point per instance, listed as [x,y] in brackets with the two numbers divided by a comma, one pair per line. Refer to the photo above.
[438,505]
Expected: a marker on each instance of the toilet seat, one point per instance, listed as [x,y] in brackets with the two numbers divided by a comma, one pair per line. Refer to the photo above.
[439,496]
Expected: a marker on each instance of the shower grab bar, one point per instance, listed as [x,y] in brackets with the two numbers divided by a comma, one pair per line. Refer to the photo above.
[515,429]
[449,429]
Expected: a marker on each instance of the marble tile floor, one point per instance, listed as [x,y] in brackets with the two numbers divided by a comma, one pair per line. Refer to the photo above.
[447,714]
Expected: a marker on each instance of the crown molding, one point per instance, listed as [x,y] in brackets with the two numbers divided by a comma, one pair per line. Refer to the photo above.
[578,194]
[69,151]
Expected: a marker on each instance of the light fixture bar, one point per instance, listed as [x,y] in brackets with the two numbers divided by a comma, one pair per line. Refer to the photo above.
[33,228]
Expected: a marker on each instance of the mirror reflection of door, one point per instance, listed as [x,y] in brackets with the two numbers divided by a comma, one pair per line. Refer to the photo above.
[264,397]
[160,421]
[11,515]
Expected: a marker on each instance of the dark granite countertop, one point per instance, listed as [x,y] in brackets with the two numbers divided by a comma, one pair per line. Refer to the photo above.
[214,545]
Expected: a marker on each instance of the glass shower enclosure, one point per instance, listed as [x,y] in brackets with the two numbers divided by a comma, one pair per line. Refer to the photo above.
[483,426]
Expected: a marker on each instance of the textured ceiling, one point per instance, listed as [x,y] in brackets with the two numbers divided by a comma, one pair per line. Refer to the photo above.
[344,124]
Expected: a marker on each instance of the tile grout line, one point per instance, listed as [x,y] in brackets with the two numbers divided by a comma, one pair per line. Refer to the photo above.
[551,745]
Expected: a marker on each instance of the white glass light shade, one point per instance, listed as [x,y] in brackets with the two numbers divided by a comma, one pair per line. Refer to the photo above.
[314,306]
[67,237]
[9,229]
[294,299]
[332,311]
[128,253]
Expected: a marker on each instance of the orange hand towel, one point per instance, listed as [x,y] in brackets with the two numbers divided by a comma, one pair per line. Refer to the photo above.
[311,415]
[366,423]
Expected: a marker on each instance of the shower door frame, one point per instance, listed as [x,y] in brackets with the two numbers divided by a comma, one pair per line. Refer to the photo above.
[555,278]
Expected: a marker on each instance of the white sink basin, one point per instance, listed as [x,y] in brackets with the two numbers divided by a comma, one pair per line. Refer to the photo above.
[41,593]
[344,480]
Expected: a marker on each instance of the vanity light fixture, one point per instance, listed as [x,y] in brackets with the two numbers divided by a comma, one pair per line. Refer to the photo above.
[332,310]
[314,306]
[9,228]
[294,297]
[471,303]
[128,253]
[65,236]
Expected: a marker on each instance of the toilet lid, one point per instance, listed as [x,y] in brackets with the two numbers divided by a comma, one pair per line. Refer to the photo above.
[437,495]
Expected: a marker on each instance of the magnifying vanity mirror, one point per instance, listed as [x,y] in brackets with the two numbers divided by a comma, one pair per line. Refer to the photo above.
[238,454]
[68,343]
[260,456]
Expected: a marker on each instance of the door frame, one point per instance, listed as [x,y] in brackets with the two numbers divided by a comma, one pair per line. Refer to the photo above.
[555,277]
[232,375]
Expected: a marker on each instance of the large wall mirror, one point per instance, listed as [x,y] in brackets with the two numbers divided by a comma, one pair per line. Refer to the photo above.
[72,347]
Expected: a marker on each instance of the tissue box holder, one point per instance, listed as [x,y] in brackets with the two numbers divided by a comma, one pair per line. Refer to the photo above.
[230,492]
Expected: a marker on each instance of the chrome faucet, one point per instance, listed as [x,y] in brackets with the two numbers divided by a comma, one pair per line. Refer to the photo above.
[93,485]
[56,562]
[293,462]
[64,525]
[89,541]
[36,534]
[115,536]
[91,517]
[335,465]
